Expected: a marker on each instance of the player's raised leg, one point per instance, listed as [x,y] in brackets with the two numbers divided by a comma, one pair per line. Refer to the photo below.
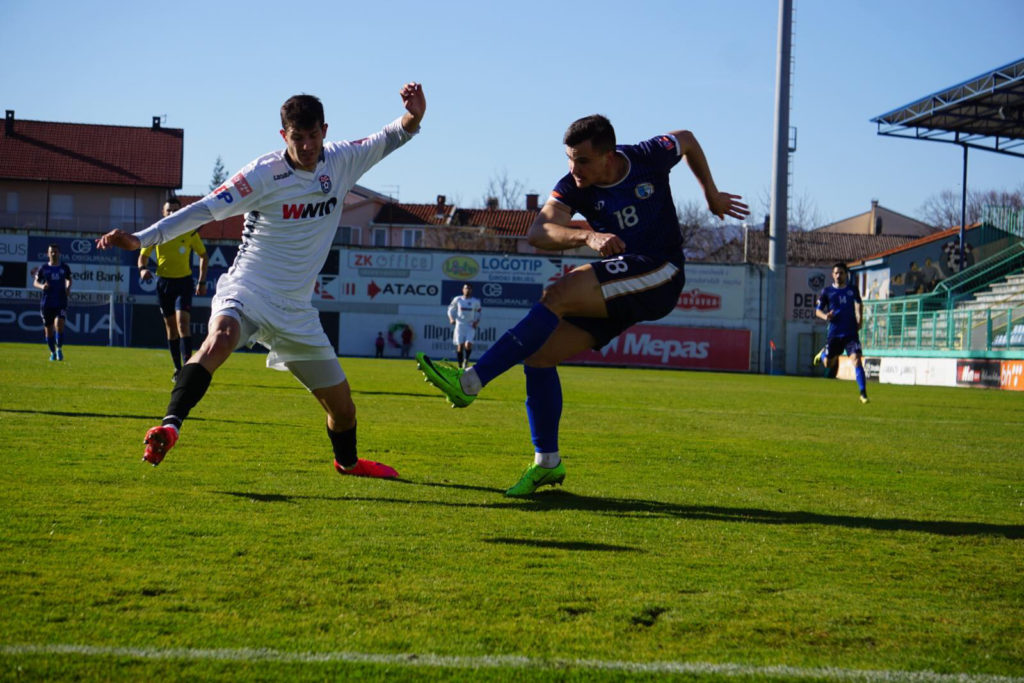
[578,293]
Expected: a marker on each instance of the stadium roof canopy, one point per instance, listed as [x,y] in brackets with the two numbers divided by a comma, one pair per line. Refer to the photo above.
[985,112]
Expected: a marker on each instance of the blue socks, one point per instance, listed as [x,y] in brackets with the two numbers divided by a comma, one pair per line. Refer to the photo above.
[543,407]
[861,382]
[518,343]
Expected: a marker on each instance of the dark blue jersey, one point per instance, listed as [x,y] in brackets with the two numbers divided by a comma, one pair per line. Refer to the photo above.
[639,208]
[840,301]
[56,295]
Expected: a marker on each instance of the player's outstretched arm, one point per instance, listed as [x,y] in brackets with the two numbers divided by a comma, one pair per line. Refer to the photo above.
[415,103]
[721,204]
[120,239]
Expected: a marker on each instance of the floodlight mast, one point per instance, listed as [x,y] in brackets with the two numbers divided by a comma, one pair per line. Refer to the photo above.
[778,224]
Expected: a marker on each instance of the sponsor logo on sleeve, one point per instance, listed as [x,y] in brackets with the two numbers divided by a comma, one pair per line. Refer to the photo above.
[242,185]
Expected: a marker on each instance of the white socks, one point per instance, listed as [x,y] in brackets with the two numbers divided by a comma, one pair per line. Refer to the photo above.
[547,460]
[470,383]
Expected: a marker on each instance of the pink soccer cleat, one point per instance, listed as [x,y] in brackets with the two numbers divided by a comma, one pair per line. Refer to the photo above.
[368,468]
[158,441]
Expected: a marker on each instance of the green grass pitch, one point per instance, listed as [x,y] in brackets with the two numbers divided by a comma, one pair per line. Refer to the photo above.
[711,527]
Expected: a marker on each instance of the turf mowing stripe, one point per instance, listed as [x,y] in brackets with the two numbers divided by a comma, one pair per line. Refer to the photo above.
[505,662]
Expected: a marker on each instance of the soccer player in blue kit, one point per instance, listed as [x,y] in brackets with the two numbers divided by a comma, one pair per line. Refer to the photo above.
[623,191]
[840,304]
[54,278]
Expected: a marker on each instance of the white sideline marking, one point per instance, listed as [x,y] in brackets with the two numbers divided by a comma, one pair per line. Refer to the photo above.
[503,662]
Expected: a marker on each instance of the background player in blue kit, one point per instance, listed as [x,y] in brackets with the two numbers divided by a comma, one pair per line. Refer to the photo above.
[54,278]
[623,192]
[840,304]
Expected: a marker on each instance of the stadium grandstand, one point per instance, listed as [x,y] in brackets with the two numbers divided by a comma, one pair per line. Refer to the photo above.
[973,317]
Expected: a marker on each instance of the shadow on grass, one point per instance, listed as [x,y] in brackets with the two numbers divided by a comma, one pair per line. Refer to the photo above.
[627,507]
[125,416]
[563,500]
[564,545]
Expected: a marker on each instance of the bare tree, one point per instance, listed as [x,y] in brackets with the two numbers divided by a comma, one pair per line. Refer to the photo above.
[511,194]
[803,213]
[943,209]
[703,233]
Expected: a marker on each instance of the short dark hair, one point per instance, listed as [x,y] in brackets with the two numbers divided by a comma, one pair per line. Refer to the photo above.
[302,112]
[841,266]
[595,128]
[173,201]
[53,245]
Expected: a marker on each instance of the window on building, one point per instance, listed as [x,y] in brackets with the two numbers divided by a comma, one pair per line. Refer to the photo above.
[348,235]
[126,213]
[62,207]
[412,237]
[380,237]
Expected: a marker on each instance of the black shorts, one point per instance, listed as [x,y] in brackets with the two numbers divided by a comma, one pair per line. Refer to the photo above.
[174,294]
[636,288]
[49,314]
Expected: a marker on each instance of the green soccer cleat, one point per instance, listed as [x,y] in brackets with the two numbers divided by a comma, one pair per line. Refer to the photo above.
[864,398]
[445,376]
[819,357]
[534,477]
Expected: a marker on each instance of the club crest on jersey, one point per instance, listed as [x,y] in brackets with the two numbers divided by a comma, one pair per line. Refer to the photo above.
[325,183]
[643,190]
[667,142]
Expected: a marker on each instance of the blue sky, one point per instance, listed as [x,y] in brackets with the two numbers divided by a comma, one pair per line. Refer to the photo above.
[503,80]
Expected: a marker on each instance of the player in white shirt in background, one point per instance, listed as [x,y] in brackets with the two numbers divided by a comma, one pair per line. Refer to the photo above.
[292,201]
[464,313]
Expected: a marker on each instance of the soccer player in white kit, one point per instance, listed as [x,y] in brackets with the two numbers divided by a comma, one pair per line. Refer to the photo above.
[292,200]
[464,313]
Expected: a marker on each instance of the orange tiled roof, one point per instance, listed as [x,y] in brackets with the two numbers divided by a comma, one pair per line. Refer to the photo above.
[951,232]
[812,248]
[87,153]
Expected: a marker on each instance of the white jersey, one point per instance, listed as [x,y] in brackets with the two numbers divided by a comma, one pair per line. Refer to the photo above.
[465,310]
[291,216]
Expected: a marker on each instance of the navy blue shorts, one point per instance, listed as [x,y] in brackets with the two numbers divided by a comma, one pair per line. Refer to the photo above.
[850,344]
[636,288]
[49,314]
[174,293]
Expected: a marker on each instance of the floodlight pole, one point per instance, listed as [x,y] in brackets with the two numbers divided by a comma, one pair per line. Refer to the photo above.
[780,191]
[963,210]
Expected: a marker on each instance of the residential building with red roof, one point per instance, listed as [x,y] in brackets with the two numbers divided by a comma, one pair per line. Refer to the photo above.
[85,177]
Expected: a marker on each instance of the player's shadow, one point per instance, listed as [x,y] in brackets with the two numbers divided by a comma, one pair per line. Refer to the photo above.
[127,416]
[628,507]
[67,413]
[563,500]
[563,545]
[555,499]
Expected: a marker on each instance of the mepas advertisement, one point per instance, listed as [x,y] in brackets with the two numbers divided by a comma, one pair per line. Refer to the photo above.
[661,346]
